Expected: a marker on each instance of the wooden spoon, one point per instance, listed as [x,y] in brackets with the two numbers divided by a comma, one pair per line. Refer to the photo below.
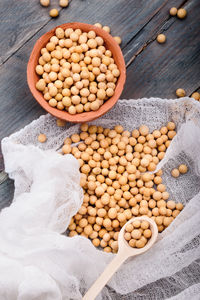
[124,252]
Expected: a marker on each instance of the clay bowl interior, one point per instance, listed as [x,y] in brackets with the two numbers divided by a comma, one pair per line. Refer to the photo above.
[32,77]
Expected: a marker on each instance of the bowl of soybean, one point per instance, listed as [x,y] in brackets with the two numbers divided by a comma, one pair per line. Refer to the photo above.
[39,87]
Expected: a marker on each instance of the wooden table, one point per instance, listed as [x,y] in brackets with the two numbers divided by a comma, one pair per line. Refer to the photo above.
[153,70]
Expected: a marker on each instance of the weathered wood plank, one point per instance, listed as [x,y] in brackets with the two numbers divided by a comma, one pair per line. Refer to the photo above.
[24,18]
[125,17]
[160,22]
[6,193]
[20,20]
[162,68]
[15,95]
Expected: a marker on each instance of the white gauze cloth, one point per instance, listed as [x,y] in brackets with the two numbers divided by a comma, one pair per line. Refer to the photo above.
[39,262]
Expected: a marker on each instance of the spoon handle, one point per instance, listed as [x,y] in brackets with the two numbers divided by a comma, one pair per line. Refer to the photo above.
[105,276]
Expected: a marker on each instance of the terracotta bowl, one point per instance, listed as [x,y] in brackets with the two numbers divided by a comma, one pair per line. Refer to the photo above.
[32,77]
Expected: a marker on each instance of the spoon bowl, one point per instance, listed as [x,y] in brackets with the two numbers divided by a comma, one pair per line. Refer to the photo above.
[125,251]
[126,248]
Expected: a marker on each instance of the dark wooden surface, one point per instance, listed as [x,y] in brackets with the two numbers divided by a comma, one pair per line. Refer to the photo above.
[152,69]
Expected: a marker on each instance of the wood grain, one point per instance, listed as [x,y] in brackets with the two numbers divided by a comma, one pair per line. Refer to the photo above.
[20,20]
[126,18]
[159,22]
[160,69]
[6,193]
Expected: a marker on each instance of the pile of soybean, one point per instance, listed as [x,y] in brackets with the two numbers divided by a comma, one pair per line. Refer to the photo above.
[116,175]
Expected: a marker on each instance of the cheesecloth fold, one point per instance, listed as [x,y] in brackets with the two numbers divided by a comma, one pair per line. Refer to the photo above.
[38,261]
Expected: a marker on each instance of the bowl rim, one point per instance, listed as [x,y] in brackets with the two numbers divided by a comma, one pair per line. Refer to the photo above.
[63,114]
